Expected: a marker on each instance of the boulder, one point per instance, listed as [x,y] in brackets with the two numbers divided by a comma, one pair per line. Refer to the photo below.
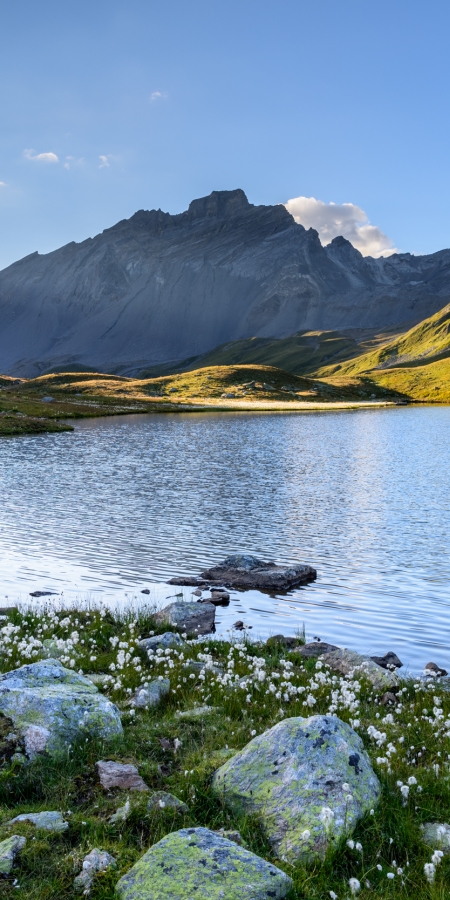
[161,642]
[52,706]
[164,800]
[219,598]
[434,670]
[282,642]
[316,648]
[199,864]
[9,849]
[242,571]
[151,694]
[192,618]
[196,712]
[348,661]
[437,835]
[388,661]
[46,821]
[309,781]
[125,776]
[95,861]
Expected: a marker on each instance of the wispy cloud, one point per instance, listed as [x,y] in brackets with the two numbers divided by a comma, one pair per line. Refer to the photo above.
[158,95]
[71,161]
[2,183]
[41,157]
[346,219]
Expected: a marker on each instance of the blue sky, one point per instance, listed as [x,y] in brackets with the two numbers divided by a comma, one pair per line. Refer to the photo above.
[150,104]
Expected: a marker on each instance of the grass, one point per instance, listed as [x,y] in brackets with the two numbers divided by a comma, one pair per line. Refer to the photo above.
[416,740]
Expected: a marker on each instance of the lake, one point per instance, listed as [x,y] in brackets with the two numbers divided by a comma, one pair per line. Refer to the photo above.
[125,503]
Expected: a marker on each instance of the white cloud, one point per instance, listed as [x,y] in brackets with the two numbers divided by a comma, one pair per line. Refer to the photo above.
[346,219]
[71,161]
[41,157]
[2,183]
[158,95]
[107,159]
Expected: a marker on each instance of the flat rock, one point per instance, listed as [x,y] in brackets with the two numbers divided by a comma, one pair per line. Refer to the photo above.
[151,694]
[388,661]
[46,821]
[242,571]
[347,661]
[125,776]
[199,864]
[437,835]
[95,861]
[164,800]
[289,774]
[161,641]
[52,706]
[316,648]
[9,849]
[188,581]
[192,618]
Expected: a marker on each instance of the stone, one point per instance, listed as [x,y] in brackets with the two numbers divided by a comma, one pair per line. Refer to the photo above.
[45,821]
[437,835]
[95,861]
[125,776]
[197,712]
[292,778]
[388,661]
[9,849]
[188,581]
[239,625]
[388,697]
[161,641]
[164,800]
[432,669]
[348,661]
[151,694]
[145,591]
[198,864]
[42,593]
[192,618]
[282,641]
[121,814]
[51,707]
[219,598]
[203,667]
[242,571]
[316,648]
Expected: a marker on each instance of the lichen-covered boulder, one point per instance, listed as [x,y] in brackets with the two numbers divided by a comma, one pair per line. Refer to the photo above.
[348,661]
[199,864]
[52,706]
[9,849]
[163,800]
[192,618]
[161,641]
[49,820]
[308,780]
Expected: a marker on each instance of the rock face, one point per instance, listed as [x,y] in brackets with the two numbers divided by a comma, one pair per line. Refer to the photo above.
[157,288]
[51,706]
[241,571]
[346,661]
[199,864]
[125,776]
[9,849]
[308,780]
[192,618]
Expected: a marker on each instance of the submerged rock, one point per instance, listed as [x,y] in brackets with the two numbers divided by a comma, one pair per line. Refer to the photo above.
[46,821]
[95,861]
[52,706]
[9,849]
[243,571]
[309,781]
[161,641]
[125,776]
[164,800]
[192,618]
[201,865]
[347,661]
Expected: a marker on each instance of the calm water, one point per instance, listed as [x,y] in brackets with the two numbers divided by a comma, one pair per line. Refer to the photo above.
[128,502]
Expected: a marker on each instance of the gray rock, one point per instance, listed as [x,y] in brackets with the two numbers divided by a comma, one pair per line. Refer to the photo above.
[198,864]
[347,661]
[51,706]
[51,650]
[45,821]
[292,772]
[388,661]
[164,800]
[95,861]
[316,648]
[197,712]
[121,814]
[125,776]
[437,835]
[219,598]
[282,641]
[9,849]
[434,670]
[151,694]
[201,666]
[192,618]
[161,641]
[243,571]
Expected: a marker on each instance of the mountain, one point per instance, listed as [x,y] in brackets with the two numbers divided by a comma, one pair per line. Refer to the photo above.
[158,288]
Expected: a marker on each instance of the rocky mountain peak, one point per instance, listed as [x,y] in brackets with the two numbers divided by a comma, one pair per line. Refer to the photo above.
[219,204]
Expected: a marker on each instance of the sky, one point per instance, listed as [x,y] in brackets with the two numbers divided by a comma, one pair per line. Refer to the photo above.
[340,110]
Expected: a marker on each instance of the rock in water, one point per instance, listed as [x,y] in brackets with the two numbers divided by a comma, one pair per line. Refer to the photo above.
[388,661]
[199,864]
[242,571]
[52,706]
[8,852]
[192,618]
[292,777]
[347,661]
